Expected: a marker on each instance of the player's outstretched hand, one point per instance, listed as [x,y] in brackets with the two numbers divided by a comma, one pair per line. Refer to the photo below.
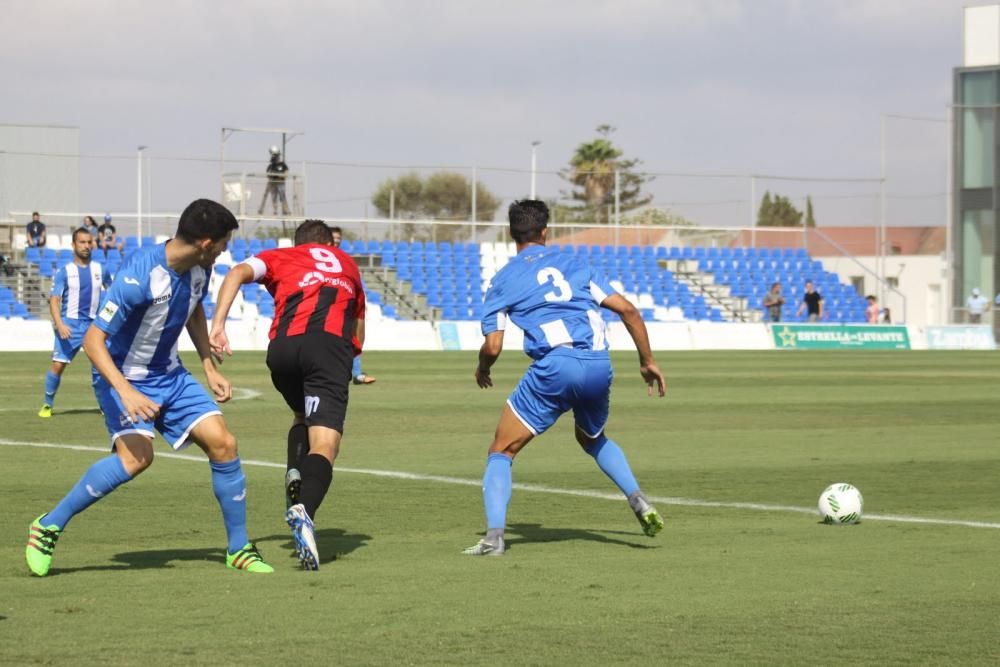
[63,331]
[218,343]
[483,378]
[652,375]
[138,406]
[220,386]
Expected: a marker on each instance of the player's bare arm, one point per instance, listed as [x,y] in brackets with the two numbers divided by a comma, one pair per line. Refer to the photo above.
[488,355]
[239,275]
[137,405]
[636,328]
[197,328]
[55,305]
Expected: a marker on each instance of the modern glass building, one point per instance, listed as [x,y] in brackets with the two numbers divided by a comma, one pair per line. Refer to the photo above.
[976,118]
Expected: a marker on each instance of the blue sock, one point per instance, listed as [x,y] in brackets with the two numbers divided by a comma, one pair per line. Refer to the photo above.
[356,367]
[230,487]
[496,489]
[101,478]
[51,387]
[611,459]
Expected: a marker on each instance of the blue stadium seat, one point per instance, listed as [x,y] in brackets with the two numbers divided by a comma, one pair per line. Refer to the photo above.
[270,244]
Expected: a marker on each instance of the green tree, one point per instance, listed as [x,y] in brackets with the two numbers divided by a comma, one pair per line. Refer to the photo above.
[810,218]
[443,195]
[591,174]
[778,212]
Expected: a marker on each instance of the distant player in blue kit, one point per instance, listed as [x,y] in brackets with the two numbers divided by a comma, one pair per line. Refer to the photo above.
[73,301]
[143,386]
[555,298]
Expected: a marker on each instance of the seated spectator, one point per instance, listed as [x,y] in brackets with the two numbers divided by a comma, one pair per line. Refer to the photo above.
[107,238]
[872,313]
[36,232]
[90,225]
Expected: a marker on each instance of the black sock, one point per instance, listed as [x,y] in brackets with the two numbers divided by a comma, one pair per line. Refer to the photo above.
[317,473]
[298,445]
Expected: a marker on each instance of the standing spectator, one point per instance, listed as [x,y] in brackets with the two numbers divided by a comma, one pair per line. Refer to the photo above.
[976,305]
[107,236]
[36,232]
[773,301]
[91,226]
[872,312]
[276,171]
[812,302]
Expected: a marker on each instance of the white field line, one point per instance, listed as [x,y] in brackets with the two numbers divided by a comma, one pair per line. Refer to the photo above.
[239,394]
[537,488]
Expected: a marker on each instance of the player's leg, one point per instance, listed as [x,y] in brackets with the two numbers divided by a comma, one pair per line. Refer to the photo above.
[188,414]
[531,409]
[63,352]
[298,446]
[359,375]
[590,413]
[230,487]
[133,454]
[317,474]
[52,379]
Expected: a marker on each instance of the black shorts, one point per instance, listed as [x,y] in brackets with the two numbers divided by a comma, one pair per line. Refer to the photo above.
[312,372]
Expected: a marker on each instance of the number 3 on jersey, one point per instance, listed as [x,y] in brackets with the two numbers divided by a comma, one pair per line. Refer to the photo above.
[562,291]
[326,260]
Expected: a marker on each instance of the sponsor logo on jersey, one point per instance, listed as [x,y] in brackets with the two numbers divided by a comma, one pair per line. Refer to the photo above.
[131,281]
[163,298]
[109,310]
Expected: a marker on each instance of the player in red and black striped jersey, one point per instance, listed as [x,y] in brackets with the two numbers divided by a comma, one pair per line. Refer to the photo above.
[317,330]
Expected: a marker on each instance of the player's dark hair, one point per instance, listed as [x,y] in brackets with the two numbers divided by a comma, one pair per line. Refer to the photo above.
[34,213]
[334,229]
[528,217]
[81,230]
[313,231]
[205,219]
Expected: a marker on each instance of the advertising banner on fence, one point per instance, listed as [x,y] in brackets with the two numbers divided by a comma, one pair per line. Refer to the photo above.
[839,337]
[961,338]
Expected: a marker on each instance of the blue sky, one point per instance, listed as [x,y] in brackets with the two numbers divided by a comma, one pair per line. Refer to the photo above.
[768,87]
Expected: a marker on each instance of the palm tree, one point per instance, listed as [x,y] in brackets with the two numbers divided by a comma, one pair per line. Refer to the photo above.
[592,174]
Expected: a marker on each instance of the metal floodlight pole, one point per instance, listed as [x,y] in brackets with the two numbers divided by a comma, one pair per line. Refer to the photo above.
[753,220]
[618,202]
[882,209]
[138,198]
[474,188]
[949,277]
[534,145]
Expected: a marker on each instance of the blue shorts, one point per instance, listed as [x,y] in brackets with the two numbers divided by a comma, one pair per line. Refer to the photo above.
[183,403]
[561,381]
[65,350]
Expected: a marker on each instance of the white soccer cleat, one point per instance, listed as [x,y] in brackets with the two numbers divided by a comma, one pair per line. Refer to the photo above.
[305,539]
[484,548]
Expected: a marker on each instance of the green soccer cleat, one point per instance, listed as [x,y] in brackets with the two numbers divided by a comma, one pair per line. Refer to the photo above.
[651,522]
[45,412]
[648,517]
[248,558]
[41,544]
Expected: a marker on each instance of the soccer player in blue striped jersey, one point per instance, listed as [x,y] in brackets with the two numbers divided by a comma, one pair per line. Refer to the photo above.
[142,385]
[76,292]
[555,298]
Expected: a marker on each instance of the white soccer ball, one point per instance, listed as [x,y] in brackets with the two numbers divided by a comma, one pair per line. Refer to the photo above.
[841,503]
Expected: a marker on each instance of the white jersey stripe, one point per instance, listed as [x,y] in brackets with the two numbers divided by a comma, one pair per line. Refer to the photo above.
[73,279]
[147,338]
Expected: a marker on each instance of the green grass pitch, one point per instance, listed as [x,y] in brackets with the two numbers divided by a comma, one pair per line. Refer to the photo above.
[140,579]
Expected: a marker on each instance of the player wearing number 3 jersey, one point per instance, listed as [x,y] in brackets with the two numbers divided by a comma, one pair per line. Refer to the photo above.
[318,328]
[555,297]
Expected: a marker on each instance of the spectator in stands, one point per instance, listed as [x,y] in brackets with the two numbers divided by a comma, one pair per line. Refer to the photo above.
[872,312]
[812,303]
[357,374]
[107,236]
[276,171]
[976,305]
[91,226]
[36,232]
[773,301]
